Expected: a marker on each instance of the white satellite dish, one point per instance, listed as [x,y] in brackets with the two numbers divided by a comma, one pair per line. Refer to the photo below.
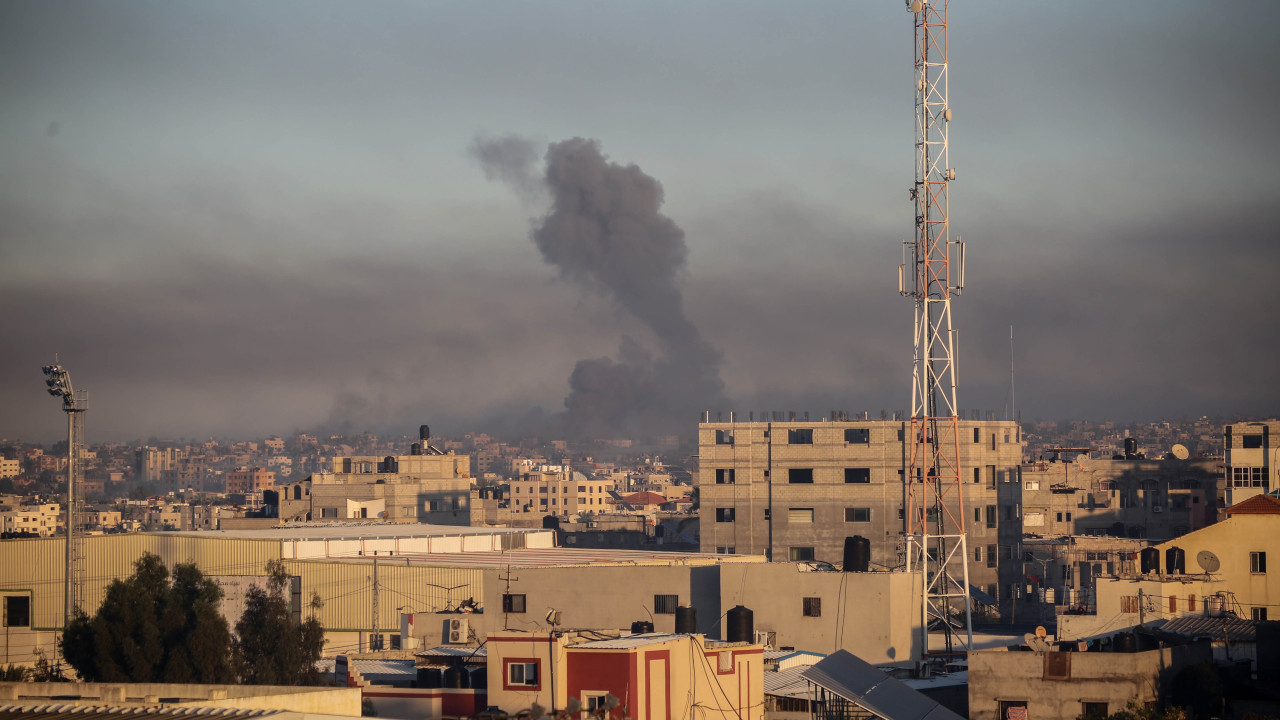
[1208,561]
[1180,451]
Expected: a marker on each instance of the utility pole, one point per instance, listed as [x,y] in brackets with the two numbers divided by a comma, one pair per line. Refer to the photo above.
[933,523]
[374,634]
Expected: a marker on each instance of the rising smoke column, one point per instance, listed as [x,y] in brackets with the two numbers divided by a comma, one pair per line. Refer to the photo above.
[605,231]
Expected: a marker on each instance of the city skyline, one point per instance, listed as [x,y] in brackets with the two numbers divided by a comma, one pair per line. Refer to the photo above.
[239,219]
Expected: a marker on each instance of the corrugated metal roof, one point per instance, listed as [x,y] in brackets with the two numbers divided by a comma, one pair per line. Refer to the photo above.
[1226,627]
[788,683]
[560,557]
[454,651]
[861,683]
[67,711]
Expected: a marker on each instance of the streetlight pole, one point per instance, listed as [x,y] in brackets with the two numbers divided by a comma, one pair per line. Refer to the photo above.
[74,404]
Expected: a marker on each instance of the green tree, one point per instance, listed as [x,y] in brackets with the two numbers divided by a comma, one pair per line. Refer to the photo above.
[272,647]
[153,628]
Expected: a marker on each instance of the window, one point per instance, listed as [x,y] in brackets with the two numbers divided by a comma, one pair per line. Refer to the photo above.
[724,437]
[1173,604]
[857,514]
[977,553]
[17,611]
[977,514]
[1191,603]
[857,475]
[977,435]
[801,554]
[1013,710]
[521,673]
[977,475]
[991,556]
[800,515]
[1093,710]
[991,516]
[665,604]
[812,607]
[800,475]
[1251,441]
[1032,485]
[512,603]
[1129,604]
[726,549]
[1259,614]
[1257,562]
[1059,517]
[857,435]
[724,476]
[800,436]
[724,514]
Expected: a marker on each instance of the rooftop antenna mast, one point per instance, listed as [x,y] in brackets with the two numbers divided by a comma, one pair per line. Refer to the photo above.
[74,404]
[933,524]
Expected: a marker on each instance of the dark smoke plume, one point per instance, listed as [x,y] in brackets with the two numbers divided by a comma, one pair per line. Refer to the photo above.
[605,231]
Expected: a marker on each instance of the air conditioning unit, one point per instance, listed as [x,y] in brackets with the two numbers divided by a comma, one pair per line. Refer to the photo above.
[766,638]
[458,631]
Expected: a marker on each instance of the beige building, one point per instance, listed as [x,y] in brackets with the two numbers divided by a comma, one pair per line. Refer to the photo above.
[795,490]
[43,520]
[1252,457]
[10,468]
[558,490]
[1150,499]
[168,700]
[1008,684]
[434,488]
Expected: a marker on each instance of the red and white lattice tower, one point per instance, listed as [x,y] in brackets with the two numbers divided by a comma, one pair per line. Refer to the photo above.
[934,519]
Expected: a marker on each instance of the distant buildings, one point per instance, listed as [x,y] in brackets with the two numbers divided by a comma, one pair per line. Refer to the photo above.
[430,488]
[1252,459]
[558,490]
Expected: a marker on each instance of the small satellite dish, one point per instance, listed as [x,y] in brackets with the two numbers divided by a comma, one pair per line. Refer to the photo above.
[553,617]
[1208,561]
[1180,451]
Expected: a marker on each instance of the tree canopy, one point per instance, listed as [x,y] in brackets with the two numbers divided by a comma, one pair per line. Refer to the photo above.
[153,627]
[162,627]
[272,647]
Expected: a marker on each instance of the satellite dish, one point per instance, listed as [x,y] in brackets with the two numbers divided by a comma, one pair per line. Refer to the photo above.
[553,617]
[1208,561]
[1180,452]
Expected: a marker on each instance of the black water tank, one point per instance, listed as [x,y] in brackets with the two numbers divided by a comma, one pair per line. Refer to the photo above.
[1269,653]
[429,677]
[389,464]
[1175,561]
[456,677]
[641,627]
[424,433]
[1150,560]
[686,620]
[1124,642]
[479,677]
[1130,448]
[740,622]
[415,449]
[857,554]
[550,522]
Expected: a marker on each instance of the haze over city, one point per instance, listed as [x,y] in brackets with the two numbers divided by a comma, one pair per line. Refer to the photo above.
[238,218]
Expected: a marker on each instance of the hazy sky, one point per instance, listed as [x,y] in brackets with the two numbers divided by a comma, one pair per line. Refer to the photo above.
[235,218]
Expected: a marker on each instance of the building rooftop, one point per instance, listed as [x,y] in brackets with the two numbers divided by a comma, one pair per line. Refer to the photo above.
[1256,505]
[353,531]
[563,557]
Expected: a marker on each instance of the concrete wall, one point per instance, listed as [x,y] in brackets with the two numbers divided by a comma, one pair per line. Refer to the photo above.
[872,615]
[321,700]
[1112,678]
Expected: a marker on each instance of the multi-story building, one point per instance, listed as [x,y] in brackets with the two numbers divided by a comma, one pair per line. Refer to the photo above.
[795,490]
[1252,456]
[1137,498]
[43,520]
[558,490]
[158,467]
[434,487]
[10,468]
[249,480]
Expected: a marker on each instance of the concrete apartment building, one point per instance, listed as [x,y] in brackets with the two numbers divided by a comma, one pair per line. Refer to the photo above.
[430,488]
[250,480]
[1135,498]
[558,490]
[805,486]
[1252,455]
[10,468]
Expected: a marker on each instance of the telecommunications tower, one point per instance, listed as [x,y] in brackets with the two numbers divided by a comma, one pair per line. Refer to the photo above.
[932,270]
[74,404]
